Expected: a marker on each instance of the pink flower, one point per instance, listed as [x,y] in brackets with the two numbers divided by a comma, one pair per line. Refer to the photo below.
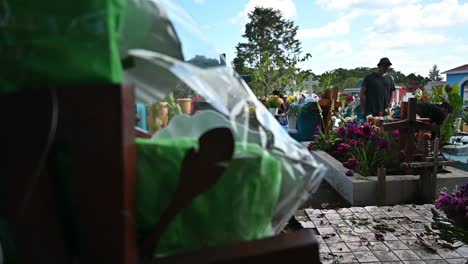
[367,131]
[341,132]
[350,173]
[344,148]
[396,133]
[382,144]
[353,142]
[351,164]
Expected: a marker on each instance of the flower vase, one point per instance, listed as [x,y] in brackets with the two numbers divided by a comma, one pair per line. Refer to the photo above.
[273,111]
[292,121]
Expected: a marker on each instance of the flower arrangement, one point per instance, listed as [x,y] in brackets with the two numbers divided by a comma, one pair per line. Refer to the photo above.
[361,147]
[455,205]
[291,99]
[273,102]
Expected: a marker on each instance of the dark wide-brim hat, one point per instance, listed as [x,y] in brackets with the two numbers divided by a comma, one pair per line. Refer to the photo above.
[384,61]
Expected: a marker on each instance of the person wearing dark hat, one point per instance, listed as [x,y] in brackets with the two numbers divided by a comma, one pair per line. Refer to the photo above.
[376,90]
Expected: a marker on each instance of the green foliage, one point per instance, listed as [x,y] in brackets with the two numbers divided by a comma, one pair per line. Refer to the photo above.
[271,46]
[204,62]
[272,103]
[434,73]
[370,158]
[173,108]
[450,95]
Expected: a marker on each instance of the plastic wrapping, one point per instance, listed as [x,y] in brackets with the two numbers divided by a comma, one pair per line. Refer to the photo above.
[156,72]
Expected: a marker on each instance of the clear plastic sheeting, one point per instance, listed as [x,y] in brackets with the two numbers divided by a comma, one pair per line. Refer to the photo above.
[157,73]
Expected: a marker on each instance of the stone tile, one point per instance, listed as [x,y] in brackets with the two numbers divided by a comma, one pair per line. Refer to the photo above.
[338,247]
[448,254]
[377,246]
[346,258]
[361,229]
[414,262]
[412,244]
[319,239]
[404,235]
[394,214]
[332,216]
[395,245]
[406,255]
[321,223]
[365,256]
[301,216]
[310,211]
[350,237]
[307,224]
[368,237]
[389,236]
[436,261]
[344,211]
[363,216]
[409,213]
[373,209]
[358,210]
[386,256]
[428,206]
[326,230]
[331,238]
[338,223]
[328,211]
[424,254]
[457,261]
[413,226]
[323,248]
[463,251]
[344,229]
[329,258]
[357,246]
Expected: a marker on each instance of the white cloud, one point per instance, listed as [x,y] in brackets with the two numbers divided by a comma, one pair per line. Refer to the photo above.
[287,8]
[417,16]
[339,27]
[362,4]
[334,49]
[403,40]
[335,28]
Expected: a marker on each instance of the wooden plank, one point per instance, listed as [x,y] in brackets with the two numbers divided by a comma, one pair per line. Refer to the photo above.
[381,186]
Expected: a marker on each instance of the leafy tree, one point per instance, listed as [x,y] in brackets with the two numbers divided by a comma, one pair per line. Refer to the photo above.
[204,62]
[351,82]
[434,73]
[269,35]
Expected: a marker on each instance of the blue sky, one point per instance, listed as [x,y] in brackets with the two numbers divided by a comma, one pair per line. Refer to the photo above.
[414,34]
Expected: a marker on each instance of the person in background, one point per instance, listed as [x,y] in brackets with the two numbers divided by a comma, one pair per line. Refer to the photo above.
[376,90]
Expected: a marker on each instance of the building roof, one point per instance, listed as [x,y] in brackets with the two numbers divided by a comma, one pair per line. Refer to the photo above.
[459,69]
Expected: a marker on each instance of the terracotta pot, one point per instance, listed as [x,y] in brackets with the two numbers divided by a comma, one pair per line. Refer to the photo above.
[164,115]
[185,105]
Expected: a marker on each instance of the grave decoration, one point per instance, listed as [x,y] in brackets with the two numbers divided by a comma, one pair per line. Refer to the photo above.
[365,145]
[267,179]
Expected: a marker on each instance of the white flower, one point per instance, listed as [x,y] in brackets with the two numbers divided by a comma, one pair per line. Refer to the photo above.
[348,119]
[368,117]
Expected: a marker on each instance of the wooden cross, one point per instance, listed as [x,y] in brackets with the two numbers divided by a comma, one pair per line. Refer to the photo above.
[408,127]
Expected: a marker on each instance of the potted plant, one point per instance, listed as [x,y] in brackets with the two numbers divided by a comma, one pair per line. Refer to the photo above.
[182,94]
[273,104]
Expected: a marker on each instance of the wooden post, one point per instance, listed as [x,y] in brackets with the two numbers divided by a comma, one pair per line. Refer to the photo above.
[381,188]
[428,178]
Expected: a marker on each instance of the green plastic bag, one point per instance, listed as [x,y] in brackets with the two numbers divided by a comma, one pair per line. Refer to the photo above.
[59,43]
[239,207]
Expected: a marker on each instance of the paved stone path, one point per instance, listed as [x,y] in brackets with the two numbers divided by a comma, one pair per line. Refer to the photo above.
[380,235]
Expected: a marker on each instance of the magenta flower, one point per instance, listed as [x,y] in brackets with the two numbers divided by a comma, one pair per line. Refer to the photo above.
[341,132]
[353,143]
[350,173]
[367,131]
[351,164]
[344,148]
[382,144]
[396,133]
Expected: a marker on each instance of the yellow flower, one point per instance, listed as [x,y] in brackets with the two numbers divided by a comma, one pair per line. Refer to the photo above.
[291,99]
